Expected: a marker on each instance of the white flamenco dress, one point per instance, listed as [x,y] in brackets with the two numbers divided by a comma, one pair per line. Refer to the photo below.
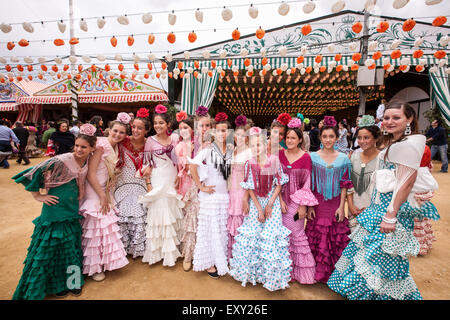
[163,204]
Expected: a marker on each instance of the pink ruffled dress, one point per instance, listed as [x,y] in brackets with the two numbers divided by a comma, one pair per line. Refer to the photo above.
[297,192]
[189,192]
[328,238]
[103,249]
[236,192]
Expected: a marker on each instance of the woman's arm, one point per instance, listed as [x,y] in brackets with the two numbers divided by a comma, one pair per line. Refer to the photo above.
[340,214]
[94,161]
[195,177]
[261,216]
[268,208]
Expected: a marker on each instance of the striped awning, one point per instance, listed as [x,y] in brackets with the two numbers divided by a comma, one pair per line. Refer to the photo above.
[9,106]
[276,62]
[95,98]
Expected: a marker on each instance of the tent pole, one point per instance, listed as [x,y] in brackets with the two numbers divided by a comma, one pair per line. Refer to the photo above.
[364,53]
[72,53]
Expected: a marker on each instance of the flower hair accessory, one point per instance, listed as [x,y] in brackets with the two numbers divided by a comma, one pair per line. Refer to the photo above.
[284,118]
[221,116]
[240,121]
[306,121]
[366,121]
[142,113]
[295,123]
[201,111]
[301,117]
[329,121]
[88,129]
[123,117]
[254,131]
[180,116]
[160,109]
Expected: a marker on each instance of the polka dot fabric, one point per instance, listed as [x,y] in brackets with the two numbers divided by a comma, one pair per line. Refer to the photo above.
[260,253]
[374,265]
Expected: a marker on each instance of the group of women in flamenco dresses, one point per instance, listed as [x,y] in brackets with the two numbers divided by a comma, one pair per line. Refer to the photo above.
[256,205]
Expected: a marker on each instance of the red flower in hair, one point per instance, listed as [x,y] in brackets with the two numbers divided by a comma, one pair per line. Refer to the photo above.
[221,116]
[142,113]
[284,118]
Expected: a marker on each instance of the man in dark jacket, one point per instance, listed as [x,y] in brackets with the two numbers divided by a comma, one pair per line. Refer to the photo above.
[314,136]
[22,134]
[438,138]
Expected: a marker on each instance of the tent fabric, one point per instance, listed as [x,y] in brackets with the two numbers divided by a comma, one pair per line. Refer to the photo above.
[198,92]
[440,94]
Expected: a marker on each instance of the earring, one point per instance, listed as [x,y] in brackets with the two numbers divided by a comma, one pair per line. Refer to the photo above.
[385,133]
[321,145]
[408,129]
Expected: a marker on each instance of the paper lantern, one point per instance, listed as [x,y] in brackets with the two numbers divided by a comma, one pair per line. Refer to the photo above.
[395,43]
[118,57]
[338,6]
[199,15]
[300,59]
[151,38]
[418,42]
[101,23]
[306,29]
[331,47]
[6,28]
[130,40]
[260,33]
[373,45]
[236,34]
[396,54]
[113,41]
[318,58]
[382,26]
[58,60]
[352,46]
[29,68]
[283,51]
[227,14]
[61,26]
[356,56]
[123,20]
[377,55]
[354,67]
[357,27]
[387,66]
[28,27]
[192,37]
[86,59]
[398,4]
[308,69]
[339,68]
[444,41]
[23,43]
[171,37]
[439,21]
[408,25]
[55,68]
[10,45]
[58,42]
[172,18]
[120,67]
[83,25]
[432,2]
[338,57]
[253,11]
[147,18]
[283,9]
[309,7]
[440,54]
[73,59]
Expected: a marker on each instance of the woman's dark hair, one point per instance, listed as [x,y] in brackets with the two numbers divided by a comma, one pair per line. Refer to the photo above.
[188,121]
[313,123]
[114,122]
[324,127]
[409,113]
[92,140]
[374,131]
[145,121]
[299,134]
[222,122]
[165,116]
[52,124]
[95,121]
[60,122]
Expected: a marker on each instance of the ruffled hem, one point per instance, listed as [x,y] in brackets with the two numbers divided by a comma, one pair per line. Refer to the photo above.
[133,235]
[327,239]
[101,242]
[161,192]
[233,223]
[304,198]
[188,245]
[55,247]
[424,235]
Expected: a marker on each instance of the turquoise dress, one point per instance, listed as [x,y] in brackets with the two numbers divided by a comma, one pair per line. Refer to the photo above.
[56,241]
[374,265]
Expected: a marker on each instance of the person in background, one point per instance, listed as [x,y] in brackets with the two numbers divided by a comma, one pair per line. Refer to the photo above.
[41,129]
[380,112]
[7,140]
[437,136]
[97,121]
[47,133]
[62,139]
[22,134]
[355,146]
[31,149]
[314,142]
[342,143]
[76,128]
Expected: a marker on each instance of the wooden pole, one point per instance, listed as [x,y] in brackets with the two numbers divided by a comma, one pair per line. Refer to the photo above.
[74,86]
[364,53]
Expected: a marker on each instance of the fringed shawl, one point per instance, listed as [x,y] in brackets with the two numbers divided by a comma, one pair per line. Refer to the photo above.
[327,178]
[263,177]
[154,149]
[222,162]
[60,170]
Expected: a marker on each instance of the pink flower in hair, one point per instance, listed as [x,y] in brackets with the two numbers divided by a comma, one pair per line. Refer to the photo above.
[329,121]
[123,117]
[142,113]
[295,123]
[240,121]
[254,131]
[88,129]
[160,109]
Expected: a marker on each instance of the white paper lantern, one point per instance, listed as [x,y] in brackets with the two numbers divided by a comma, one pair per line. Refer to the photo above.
[42,60]
[433,69]
[169,57]
[187,55]
[338,6]
[331,47]
[5,27]
[219,69]
[14,59]
[352,46]
[199,15]
[73,59]
[151,57]
[405,61]
[395,43]
[101,57]
[123,20]
[345,68]
[172,18]
[309,7]
[263,51]
[444,41]
[316,65]
[101,23]
[118,57]
[302,71]
[253,11]
[83,25]
[373,45]
[61,26]
[432,2]
[369,62]
[267,67]
[303,49]
[205,69]
[385,61]
[227,14]
[422,62]
[330,69]
[283,51]
[58,60]
[350,63]
[28,60]
[28,27]
[206,54]
[288,72]
[332,64]
[147,18]
[223,53]
[136,58]
[284,66]
[299,66]
[86,59]
[283,9]
[418,42]
[391,68]
[398,4]
[316,70]
[176,71]
[3,60]
[250,68]
[369,5]
[244,52]
[190,70]
[234,68]
[274,73]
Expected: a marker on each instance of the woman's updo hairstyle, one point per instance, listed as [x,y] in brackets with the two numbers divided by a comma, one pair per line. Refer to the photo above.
[329,123]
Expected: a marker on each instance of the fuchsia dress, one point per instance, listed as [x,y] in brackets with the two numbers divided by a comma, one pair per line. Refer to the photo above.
[101,240]
[297,192]
[328,238]
[236,192]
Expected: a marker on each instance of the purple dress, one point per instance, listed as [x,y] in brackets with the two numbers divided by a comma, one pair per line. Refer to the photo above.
[296,193]
[328,238]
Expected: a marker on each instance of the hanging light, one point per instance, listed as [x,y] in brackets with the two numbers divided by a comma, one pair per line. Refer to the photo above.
[338,6]
[227,14]
[172,18]
[101,22]
[199,15]
[147,18]
[83,25]
[432,2]
[309,7]
[61,26]
[123,20]
[253,11]
[6,28]
[398,4]
[28,27]
[283,9]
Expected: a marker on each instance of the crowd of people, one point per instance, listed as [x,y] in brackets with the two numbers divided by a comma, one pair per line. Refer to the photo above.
[297,201]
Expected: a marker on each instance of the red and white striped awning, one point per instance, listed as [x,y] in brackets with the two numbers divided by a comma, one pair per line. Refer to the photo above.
[95,98]
[9,106]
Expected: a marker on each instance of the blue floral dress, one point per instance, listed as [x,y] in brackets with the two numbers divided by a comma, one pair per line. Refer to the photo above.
[374,265]
[260,253]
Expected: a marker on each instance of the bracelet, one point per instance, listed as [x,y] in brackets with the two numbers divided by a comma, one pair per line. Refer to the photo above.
[149,183]
[388,220]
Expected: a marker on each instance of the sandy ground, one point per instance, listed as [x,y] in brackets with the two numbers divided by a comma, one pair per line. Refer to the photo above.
[141,281]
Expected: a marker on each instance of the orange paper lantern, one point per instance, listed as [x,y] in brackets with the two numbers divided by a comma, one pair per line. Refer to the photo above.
[338,57]
[163,65]
[55,68]
[440,54]
[300,59]
[93,68]
[192,36]
[130,40]
[356,56]
[322,69]
[229,62]
[10,45]
[180,65]
[44,67]
[377,55]
[149,66]
[107,67]
[23,43]
[339,68]
[386,66]
[439,21]
[264,61]
[354,67]
[396,54]
[80,68]
[260,33]
[318,58]
[419,68]
[136,66]
[120,67]
[74,41]
[151,39]
[382,26]
[58,42]
[236,34]
[417,54]
[29,67]
[357,27]
[247,62]
[8,68]
[308,69]
[306,29]
[113,41]
[19,67]
[196,64]
[30,77]
[213,64]
[171,37]
[408,25]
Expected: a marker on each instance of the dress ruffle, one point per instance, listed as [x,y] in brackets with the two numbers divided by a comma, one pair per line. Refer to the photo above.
[424,234]
[212,236]
[53,249]
[327,239]
[190,221]
[304,198]
[101,242]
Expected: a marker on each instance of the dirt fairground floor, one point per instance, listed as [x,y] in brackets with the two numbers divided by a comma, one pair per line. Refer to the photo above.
[138,280]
